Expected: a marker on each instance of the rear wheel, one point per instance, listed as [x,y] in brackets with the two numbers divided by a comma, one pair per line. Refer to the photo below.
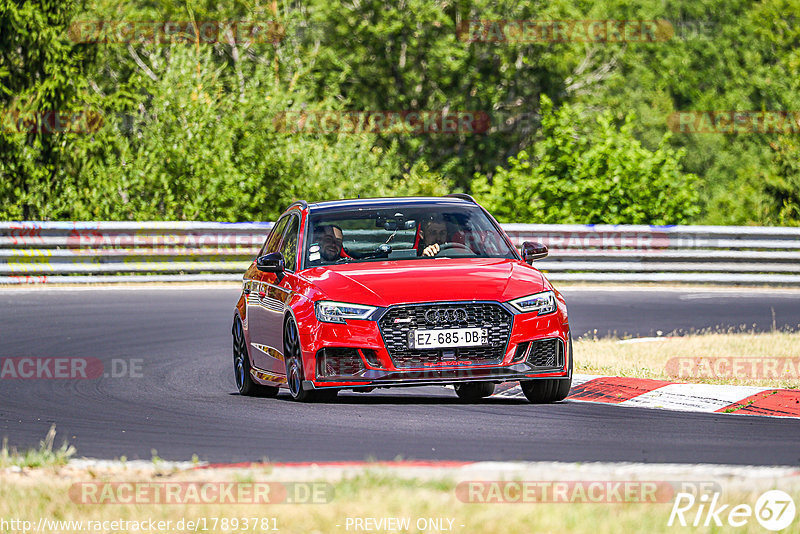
[473,391]
[294,368]
[241,367]
[549,390]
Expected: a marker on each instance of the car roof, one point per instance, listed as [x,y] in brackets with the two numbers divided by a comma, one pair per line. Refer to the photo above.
[385,202]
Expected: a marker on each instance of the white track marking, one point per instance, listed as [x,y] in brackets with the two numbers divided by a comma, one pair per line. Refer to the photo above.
[578,379]
[513,392]
[692,397]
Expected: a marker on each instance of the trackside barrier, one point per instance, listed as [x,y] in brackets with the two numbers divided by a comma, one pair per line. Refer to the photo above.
[92,252]
[99,252]
[684,254]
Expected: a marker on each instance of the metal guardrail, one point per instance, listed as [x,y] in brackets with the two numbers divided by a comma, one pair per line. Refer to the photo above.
[684,254]
[91,252]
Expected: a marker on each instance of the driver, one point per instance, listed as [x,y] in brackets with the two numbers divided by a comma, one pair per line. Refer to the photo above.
[433,233]
[330,239]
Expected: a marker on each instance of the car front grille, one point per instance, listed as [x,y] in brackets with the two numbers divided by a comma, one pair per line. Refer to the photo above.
[546,353]
[397,323]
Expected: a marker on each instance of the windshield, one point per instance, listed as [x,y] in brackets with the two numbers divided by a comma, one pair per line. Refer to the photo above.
[402,233]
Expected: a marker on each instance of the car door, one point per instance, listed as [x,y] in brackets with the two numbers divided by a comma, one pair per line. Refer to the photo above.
[261,309]
[280,291]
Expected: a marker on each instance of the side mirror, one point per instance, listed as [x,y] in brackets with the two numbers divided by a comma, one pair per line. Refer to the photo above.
[271,263]
[532,251]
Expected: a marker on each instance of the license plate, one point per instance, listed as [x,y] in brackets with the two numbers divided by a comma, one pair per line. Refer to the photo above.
[450,337]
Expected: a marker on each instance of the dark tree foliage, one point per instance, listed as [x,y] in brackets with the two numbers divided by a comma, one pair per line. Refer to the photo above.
[99,126]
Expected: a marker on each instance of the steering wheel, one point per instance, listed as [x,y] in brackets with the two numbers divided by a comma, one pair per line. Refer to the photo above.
[454,249]
[452,244]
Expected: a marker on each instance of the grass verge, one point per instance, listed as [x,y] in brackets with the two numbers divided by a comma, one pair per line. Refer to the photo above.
[50,494]
[44,456]
[749,359]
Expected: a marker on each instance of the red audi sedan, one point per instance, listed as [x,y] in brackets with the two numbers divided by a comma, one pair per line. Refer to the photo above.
[367,293]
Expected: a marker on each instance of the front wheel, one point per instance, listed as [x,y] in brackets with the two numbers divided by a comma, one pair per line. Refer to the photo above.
[294,368]
[241,367]
[549,390]
[473,391]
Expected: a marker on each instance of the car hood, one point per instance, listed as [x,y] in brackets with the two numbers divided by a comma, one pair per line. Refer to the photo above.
[399,282]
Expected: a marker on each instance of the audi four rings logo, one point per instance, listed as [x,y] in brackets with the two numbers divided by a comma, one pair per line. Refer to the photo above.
[453,315]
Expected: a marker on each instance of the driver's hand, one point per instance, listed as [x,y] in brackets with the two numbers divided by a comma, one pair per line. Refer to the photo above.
[431,250]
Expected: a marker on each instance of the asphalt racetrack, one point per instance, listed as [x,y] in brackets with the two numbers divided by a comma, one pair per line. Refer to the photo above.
[181,399]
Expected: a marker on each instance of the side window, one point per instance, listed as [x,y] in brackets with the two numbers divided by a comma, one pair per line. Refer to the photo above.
[289,244]
[274,238]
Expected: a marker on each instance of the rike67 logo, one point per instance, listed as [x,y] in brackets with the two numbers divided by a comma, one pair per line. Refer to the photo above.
[774,510]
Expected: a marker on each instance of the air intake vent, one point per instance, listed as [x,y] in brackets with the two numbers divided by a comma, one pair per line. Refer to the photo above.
[547,353]
[338,362]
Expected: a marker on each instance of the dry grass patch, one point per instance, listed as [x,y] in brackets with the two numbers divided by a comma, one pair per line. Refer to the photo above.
[45,455]
[45,493]
[752,359]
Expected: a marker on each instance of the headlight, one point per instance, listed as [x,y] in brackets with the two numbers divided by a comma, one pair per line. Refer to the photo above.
[338,312]
[542,303]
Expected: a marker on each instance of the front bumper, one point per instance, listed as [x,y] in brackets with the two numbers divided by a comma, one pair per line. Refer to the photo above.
[362,354]
[439,377]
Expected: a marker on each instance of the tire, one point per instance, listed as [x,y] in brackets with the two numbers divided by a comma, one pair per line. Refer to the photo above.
[474,391]
[294,368]
[241,367]
[549,390]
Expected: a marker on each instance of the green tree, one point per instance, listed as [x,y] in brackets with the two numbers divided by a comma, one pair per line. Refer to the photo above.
[189,129]
[206,148]
[584,169]
[782,184]
[415,55]
[41,75]
[740,55]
